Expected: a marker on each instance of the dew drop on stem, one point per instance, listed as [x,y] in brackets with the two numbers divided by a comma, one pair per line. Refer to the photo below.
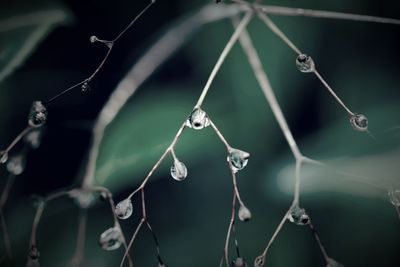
[178,170]
[37,115]
[239,262]
[198,119]
[244,213]
[3,157]
[305,63]
[124,209]
[359,122]
[259,261]
[298,216]
[111,239]
[238,159]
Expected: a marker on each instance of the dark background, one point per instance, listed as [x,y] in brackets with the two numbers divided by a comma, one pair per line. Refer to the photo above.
[357,223]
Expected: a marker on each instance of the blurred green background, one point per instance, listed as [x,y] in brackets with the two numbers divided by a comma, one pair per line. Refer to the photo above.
[356,222]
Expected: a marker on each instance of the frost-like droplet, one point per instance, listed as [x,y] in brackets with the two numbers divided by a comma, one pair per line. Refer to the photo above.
[16,165]
[259,261]
[239,262]
[238,159]
[93,39]
[178,170]
[359,122]
[394,196]
[124,209]
[37,115]
[298,216]
[244,213]
[33,138]
[3,157]
[305,63]
[85,87]
[333,263]
[111,239]
[198,119]
[33,253]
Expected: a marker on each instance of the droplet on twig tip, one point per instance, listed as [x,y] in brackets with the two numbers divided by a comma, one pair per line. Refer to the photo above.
[259,261]
[238,159]
[239,262]
[244,213]
[299,216]
[124,209]
[37,115]
[359,122]
[110,239]
[198,119]
[178,170]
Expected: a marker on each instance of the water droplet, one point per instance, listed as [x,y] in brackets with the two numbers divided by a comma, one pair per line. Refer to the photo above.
[238,159]
[3,157]
[37,115]
[33,253]
[93,39]
[244,213]
[359,122]
[84,199]
[198,119]
[110,239]
[178,170]
[239,262]
[124,209]
[33,138]
[394,196]
[259,261]
[85,87]
[305,63]
[105,196]
[161,265]
[298,216]
[333,263]
[16,164]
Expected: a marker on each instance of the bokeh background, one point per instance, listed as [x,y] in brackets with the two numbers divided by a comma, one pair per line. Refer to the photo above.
[356,222]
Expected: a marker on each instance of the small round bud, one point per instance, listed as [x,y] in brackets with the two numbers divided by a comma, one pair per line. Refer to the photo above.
[244,214]
[238,159]
[178,170]
[305,63]
[198,119]
[37,115]
[359,122]
[124,209]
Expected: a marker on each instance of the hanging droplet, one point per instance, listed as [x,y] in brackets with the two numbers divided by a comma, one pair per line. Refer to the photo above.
[178,170]
[124,209]
[238,159]
[305,63]
[259,261]
[244,213]
[333,263]
[33,253]
[16,165]
[239,262]
[85,87]
[359,122]
[111,239]
[33,138]
[83,198]
[3,157]
[198,119]
[93,39]
[37,115]
[298,216]
[394,196]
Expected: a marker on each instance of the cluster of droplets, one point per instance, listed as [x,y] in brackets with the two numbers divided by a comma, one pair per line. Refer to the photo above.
[359,122]
[305,63]
[238,159]
[111,239]
[124,209]
[37,115]
[298,215]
